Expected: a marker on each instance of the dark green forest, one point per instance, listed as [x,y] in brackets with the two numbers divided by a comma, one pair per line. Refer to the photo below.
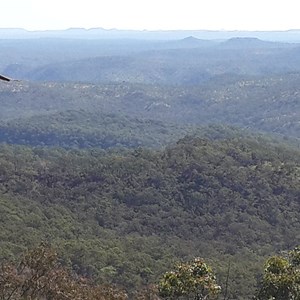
[125,217]
[130,159]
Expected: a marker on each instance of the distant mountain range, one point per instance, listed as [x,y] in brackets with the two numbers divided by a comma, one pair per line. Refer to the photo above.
[186,61]
[100,33]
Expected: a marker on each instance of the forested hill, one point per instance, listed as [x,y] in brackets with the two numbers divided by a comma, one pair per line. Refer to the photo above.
[125,218]
[82,129]
[139,154]
[269,104]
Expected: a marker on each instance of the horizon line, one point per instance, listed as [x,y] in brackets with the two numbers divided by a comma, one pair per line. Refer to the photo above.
[149,30]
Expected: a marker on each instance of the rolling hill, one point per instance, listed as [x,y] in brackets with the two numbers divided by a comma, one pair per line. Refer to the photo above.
[187,61]
[269,104]
[128,155]
[125,217]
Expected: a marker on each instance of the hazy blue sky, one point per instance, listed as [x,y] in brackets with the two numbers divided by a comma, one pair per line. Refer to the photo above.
[151,14]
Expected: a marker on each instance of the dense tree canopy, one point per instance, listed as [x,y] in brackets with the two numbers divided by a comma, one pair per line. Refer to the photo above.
[269,104]
[136,159]
[281,279]
[191,280]
[123,217]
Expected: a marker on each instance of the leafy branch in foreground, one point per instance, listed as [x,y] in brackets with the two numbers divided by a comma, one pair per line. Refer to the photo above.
[191,280]
[281,280]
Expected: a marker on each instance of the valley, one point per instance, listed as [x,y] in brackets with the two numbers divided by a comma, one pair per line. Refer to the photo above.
[128,155]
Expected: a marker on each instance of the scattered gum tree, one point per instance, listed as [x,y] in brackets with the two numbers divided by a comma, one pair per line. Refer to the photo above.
[191,280]
[281,279]
[40,276]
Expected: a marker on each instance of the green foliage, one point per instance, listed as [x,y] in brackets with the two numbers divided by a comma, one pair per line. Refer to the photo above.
[80,129]
[191,280]
[281,280]
[269,104]
[124,217]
